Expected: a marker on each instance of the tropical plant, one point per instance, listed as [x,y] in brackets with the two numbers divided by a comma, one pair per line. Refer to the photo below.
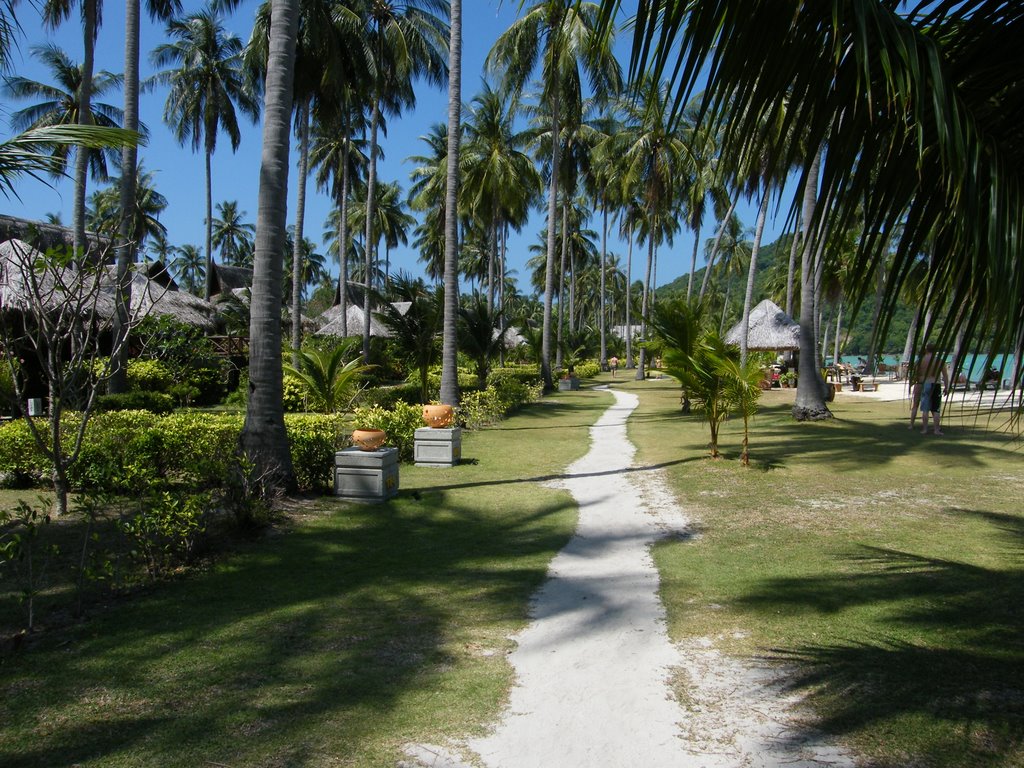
[480,335]
[415,331]
[561,34]
[743,391]
[331,383]
[232,234]
[190,267]
[106,216]
[264,438]
[900,104]
[58,104]
[205,90]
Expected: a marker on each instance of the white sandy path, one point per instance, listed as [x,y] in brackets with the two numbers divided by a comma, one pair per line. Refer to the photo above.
[593,666]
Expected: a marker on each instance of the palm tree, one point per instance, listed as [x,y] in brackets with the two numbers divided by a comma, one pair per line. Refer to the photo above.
[129,239]
[232,234]
[917,127]
[332,383]
[55,12]
[58,104]
[415,331]
[405,41]
[428,194]
[107,216]
[449,393]
[561,34]
[659,163]
[190,267]
[205,90]
[339,158]
[264,439]
[393,220]
[479,335]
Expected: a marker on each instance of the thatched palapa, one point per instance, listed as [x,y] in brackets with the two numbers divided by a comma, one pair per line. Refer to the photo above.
[331,321]
[770,329]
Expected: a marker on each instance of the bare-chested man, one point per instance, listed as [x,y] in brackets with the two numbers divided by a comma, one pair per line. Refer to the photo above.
[929,370]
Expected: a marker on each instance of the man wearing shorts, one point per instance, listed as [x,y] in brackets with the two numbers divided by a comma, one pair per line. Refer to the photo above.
[929,370]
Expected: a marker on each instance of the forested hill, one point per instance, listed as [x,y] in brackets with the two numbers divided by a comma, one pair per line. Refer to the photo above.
[770,282]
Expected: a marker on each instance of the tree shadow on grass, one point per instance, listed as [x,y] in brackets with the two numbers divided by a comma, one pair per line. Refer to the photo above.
[283,653]
[950,664]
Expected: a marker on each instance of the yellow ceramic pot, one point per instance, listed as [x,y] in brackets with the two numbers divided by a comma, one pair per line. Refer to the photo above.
[437,416]
[368,439]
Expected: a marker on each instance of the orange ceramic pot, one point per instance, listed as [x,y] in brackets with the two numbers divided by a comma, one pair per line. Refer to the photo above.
[437,416]
[368,439]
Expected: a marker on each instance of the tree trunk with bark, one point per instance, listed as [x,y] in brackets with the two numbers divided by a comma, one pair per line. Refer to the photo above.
[449,341]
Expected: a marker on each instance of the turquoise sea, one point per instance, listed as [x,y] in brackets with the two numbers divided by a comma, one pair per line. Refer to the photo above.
[974,364]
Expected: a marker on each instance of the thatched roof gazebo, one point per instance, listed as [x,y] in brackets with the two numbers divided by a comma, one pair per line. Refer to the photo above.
[770,329]
[331,320]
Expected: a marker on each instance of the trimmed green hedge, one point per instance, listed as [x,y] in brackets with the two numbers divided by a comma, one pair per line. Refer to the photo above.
[130,451]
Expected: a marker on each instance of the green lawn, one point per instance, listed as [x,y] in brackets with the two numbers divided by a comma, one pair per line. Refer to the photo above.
[886,566]
[332,641]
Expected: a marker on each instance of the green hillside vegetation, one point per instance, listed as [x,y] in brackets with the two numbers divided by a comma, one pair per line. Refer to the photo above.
[770,282]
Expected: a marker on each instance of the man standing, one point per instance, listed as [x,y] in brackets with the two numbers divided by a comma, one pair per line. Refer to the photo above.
[929,370]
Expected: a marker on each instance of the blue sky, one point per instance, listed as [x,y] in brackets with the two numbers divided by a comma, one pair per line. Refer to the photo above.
[179,172]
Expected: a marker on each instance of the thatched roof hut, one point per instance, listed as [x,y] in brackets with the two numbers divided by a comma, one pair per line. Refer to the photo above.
[331,321]
[53,289]
[154,293]
[228,278]
[43,236]
[770,329]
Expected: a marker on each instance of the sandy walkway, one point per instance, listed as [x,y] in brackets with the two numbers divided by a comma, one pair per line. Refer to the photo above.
[594,665]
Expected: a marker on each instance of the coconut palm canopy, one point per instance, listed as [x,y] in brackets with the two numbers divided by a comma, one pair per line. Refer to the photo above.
[770,329]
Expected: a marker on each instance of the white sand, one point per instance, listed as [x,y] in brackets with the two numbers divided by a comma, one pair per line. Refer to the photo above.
[594,665]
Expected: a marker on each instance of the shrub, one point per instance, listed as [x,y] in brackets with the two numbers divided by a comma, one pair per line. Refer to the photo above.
[588,369]
[154,402]
[293,394]
[149,376]
[388,397]
[314,438]
[165,530]
[399,423]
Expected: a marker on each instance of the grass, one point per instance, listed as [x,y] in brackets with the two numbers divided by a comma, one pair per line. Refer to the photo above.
[884,567]
[331,642]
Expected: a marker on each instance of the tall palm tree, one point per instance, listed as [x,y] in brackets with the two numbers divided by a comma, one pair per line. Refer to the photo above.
[339,159]
[659,163]
[393,220]
[428,194]
[205,89]
[128,240]
[917,105]
[107,216]
[562,36]
[449,393]
[406,40]
[54,13]
[190,267]
[264,439]
[232,234]
[58,104]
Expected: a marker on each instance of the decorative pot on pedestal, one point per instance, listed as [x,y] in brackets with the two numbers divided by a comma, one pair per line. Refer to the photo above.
[368,439]
[438,416]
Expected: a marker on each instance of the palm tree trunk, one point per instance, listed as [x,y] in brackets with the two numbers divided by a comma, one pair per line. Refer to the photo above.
[561,284]
[449,344]
[728,291]
[792,267]
[89,17]
[492,262]
[810,395]
[343,242]
[601,301]
[118,382]
[641,367]
[297,245]
[629,301]
[371,194]
[748,298]
[693,261]
[549,271]
[264,439]
[714,248]
[209,221]
[839,326]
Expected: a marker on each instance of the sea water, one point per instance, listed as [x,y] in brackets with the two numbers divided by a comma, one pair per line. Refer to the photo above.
[974,365]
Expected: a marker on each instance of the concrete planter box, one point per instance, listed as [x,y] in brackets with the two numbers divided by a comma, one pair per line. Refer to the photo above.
[366,475]
[568,385]
[437,447]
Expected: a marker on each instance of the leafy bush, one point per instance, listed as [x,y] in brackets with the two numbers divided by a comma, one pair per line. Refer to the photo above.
[388,397]
[314,438]
[165,531]
[399,423]
[525,374]
[149,376]
[588,369]
[154,402]
[293,394]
